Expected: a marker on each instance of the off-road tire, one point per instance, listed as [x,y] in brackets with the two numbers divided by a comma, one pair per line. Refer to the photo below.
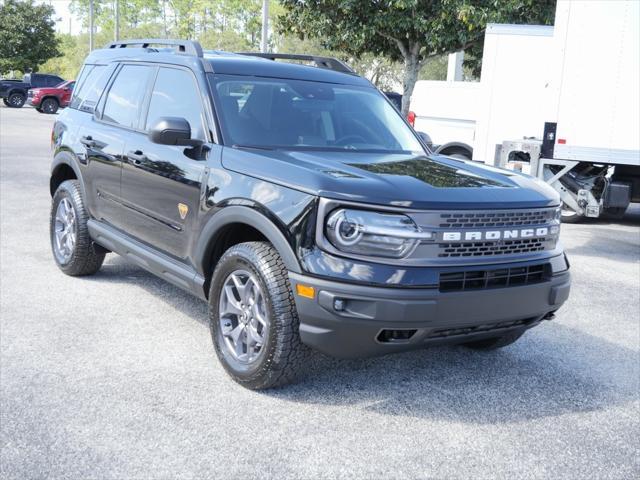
[494,342]
[49,105]
[86,259]
[16,100]
[285,356]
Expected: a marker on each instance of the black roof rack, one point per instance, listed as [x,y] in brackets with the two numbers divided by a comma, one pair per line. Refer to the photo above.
[329,63]
[189,47]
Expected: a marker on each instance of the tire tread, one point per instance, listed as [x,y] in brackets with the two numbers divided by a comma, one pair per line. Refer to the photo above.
[289,357]
[85,260]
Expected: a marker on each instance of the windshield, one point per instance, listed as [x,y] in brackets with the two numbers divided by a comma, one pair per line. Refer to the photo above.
[279,113]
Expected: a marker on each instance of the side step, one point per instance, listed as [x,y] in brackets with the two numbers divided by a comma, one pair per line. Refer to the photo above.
[151,260]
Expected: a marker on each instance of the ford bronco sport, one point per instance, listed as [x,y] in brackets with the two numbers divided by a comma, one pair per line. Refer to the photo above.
[298,202]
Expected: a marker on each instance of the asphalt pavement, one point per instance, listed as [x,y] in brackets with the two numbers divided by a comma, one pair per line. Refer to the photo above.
[114,376]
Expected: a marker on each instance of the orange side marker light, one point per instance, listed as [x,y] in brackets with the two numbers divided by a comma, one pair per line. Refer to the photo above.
[305,291]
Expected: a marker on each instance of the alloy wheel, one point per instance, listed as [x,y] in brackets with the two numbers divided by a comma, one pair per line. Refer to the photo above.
[16,101]
[49,106]
[243,317]
[65,231]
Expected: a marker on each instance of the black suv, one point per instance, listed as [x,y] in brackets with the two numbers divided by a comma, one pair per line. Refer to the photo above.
[14,92]
[298,202]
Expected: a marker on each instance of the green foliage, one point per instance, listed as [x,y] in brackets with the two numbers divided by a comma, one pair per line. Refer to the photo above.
[410,31]
[27,35]
[383,73]
[224,22]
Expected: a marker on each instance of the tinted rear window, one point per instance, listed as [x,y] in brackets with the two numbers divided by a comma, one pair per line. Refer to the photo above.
[91,83]
[126,95]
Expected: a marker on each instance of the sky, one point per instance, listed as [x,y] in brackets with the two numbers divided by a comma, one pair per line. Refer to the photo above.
[65,21]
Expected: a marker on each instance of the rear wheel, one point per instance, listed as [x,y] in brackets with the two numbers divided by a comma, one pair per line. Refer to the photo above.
[494,342]
[5,101]
[253,318]
[16,100]
[72,247]
[49,105]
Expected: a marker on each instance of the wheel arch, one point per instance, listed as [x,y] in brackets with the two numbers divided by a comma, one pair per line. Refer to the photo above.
[17,90]
[64,168]
[455,147]
[236,224]
[53,97]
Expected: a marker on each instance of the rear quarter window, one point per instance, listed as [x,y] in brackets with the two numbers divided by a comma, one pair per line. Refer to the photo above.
[89,87]
[126,95]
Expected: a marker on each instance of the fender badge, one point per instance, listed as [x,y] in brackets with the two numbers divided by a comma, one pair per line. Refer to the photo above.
[183,210]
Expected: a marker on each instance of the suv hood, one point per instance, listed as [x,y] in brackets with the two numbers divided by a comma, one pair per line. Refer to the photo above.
[417,181]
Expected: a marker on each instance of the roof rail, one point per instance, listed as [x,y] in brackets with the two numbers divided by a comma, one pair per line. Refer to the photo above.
[329,63]
[189,47]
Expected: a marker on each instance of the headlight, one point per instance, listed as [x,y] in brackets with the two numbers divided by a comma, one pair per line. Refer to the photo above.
[374,234]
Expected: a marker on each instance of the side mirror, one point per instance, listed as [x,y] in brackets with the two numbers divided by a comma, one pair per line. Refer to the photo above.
[425,138]
[173,131]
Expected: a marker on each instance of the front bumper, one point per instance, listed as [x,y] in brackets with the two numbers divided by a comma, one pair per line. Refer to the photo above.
[366,314]
[34,101]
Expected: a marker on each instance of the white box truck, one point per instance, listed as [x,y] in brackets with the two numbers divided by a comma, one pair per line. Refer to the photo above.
[561,103]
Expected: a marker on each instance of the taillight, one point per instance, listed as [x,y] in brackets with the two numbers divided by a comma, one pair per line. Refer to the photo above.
[411,118]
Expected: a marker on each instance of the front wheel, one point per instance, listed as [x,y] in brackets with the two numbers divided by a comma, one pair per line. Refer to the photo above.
[5,101]
[49,105]
[16,100]
[253,318]
[72,247]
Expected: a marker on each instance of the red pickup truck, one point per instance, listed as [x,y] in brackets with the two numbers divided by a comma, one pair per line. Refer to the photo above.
[50,99]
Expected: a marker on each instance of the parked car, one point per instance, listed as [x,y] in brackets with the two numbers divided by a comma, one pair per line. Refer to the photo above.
[14,92]
[312,216]
[50,99]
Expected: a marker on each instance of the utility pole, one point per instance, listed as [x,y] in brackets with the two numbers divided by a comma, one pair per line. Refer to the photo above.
[90,25]
[116,31]
[264,44]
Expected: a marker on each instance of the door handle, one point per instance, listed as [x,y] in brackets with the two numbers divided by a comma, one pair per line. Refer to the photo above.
[138,157]
[88,142]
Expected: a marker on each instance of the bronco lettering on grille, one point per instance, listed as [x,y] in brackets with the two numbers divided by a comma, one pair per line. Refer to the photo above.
[495,234]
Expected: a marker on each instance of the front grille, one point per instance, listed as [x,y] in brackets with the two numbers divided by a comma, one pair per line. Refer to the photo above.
[496,219]
[497,278]
[477,236]
[453,332]
[484,249]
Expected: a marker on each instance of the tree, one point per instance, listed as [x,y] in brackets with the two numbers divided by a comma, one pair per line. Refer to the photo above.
[27,36]
[409,31]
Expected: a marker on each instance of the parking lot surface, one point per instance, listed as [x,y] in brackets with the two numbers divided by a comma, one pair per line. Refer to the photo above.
[114,376]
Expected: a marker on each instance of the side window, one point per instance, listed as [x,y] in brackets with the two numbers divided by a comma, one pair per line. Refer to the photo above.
[126,96]
[175,94]
[91,83]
